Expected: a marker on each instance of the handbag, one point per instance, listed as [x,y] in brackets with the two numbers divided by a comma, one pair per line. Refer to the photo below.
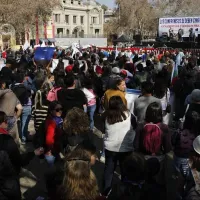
[169,107]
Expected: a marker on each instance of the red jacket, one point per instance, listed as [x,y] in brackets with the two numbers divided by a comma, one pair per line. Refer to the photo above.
[53,136]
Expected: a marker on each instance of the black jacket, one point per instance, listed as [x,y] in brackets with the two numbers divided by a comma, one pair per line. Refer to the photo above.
[8,145]
[9,181]
[22,93]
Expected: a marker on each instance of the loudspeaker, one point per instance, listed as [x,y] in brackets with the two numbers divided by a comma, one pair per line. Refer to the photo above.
[198,39]
[138,39]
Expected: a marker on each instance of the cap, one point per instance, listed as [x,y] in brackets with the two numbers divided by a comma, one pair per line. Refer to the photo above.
[115,70]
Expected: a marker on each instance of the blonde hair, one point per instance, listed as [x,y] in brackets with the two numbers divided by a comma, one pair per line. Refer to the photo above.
[79,181]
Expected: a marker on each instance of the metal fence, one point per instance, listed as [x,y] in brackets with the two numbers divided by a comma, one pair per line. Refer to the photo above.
[80,36]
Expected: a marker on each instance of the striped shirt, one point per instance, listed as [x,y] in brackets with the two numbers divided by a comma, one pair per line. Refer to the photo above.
[39,115]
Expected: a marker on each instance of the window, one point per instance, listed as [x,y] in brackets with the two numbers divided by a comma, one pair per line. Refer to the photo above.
[82,19]
[64,1]
[74,19]
[59,31]
[79,2]
[67,19]
[57,18]
[67,32]
[94,20]
[97,31]
[72,1]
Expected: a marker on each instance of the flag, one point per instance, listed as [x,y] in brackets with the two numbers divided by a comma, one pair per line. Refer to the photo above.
[75,50]
[174,76]
[116,52]
[26,45]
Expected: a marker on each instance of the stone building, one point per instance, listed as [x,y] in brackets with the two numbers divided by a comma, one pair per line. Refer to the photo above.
[78,19]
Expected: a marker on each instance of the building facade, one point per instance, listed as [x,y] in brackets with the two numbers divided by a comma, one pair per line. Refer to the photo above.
[78,19]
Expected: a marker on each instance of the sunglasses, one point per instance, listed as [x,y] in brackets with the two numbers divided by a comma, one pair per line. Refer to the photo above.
[58,109]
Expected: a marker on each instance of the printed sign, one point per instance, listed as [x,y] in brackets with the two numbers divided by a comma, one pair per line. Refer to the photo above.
[174,24]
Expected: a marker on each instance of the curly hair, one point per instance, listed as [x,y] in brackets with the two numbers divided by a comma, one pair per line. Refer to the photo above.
[76,122]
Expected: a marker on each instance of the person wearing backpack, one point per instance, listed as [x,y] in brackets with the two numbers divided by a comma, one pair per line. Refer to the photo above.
[153,139]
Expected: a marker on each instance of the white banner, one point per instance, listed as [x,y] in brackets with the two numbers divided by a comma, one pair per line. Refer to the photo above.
[177,23]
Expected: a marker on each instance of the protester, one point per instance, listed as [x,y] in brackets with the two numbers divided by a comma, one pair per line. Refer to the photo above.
[117,90]
[141,104]
[70,97]
[53,127]
[183,144]
[13,109]
[118,140]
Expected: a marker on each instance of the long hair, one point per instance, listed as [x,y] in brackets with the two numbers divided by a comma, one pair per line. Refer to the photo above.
[79,181]
[116,111]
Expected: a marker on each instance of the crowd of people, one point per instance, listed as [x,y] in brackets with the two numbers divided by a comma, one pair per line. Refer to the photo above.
[156,145]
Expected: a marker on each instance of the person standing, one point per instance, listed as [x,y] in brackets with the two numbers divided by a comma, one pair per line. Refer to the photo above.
[118,140]
[141,103]
[10,104]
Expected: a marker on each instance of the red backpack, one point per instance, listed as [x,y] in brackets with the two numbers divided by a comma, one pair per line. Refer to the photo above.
[152,138]
[52,95]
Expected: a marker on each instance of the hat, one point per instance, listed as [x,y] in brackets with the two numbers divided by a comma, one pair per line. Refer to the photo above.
[194,96]
[124,72]
[115,70]
[196,144]
[68,68]
[99,70]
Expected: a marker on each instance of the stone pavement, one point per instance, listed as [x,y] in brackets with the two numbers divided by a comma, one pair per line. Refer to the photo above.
[32,176]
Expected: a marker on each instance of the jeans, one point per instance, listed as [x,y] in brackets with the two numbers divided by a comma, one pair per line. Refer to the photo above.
[111,159]
[25,119]
[183,165]
[50,159]
[90,111]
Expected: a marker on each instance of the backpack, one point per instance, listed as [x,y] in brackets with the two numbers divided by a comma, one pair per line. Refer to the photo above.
[52,94]
[152,138]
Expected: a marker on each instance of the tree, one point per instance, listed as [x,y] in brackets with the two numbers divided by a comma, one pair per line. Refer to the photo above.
[21,13]
[136,16]
[104,7]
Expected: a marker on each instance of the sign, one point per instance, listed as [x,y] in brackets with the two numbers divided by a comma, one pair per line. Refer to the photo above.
[44,53]
[176,23]
[54,65]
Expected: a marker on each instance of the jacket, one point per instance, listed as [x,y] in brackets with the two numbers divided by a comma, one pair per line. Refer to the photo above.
[8,145]
[8,102]
[9,181]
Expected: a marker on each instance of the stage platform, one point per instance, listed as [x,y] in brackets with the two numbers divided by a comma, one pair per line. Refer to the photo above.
[173,44]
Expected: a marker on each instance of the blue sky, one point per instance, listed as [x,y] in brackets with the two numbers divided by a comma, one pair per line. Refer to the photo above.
[109,3]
